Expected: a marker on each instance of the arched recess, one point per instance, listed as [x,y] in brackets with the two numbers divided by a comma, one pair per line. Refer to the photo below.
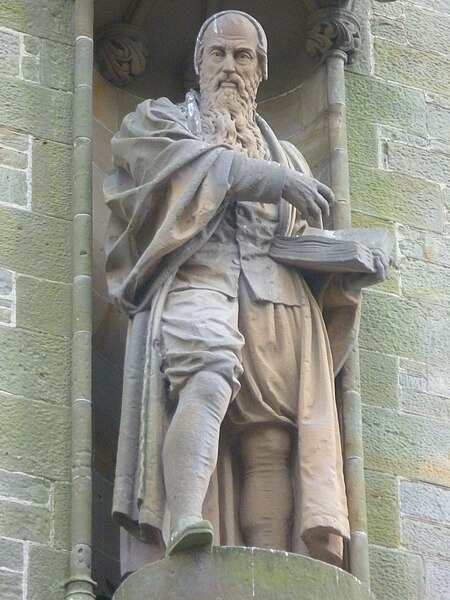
[145,48]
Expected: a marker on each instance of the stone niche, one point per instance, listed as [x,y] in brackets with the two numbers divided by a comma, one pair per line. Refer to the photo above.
[144,49]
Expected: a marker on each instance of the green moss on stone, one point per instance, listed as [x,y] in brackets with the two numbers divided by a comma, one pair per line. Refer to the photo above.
[34,437]
[50,310]
[406,445]
[382,509]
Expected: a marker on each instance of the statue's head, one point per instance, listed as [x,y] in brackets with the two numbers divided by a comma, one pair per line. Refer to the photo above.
[231,42]
[231,60]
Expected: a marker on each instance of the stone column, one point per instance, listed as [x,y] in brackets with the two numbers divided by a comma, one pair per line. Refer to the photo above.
[333,38]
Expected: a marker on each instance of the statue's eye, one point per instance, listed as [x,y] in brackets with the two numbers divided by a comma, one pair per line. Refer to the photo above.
[243,55]
[216,53]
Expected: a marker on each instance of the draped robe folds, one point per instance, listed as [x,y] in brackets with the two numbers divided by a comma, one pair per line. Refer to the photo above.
[167,195]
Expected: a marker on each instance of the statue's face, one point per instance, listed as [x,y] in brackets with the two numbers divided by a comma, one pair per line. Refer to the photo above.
[230,59]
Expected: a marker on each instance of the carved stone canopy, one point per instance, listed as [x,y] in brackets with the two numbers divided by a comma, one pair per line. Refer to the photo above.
[145,46]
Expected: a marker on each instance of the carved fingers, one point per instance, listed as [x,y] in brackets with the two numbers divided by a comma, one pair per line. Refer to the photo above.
[309,196]
[358,281]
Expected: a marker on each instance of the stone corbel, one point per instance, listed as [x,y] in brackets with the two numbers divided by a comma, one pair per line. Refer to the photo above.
[121,52]
[121,48]
[331,31]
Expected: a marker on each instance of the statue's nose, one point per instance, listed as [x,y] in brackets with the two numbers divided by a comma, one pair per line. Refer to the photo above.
[228,65]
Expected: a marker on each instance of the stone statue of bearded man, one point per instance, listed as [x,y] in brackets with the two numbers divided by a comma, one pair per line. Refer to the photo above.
[229,430]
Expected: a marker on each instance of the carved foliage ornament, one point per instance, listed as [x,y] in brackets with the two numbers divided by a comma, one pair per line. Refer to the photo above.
[121,52]
[333,31]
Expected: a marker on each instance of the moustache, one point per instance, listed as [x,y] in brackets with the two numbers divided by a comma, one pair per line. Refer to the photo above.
[232,80]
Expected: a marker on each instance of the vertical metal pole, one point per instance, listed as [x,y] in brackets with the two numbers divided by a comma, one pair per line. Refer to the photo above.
[80,585]
[349,377]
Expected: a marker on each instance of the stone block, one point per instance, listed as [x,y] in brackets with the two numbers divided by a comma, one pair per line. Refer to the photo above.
[425,70]
[6,315]
[12,158]
[426,282]
[397,135]
[412,382]
[437,577]
[390,325]
[61,515]
[446,197]
[380,102]
[6,282]
[392,10]
[13,139]
[24,488]
[411,242]
[402,198]
[406,445]
[419,162]
[382,509]
[389,29]
[9,52]
[429,539]
[396,575]
[35,245]
[35,364]
[11,586]
[50,310]
[438,121]
[22,108]
[425,501]
[50,19]
[52,179]
[56,65]
[47,573]
[362,143]
[11,555]
[363,220]
[362,60]
[429,246]
[30,68]
[427,405]
[34,437]
[428,30]
[379,379]
[442,6]
[24,522]
[13,186]
[32,45]
[403,327]
[439,380]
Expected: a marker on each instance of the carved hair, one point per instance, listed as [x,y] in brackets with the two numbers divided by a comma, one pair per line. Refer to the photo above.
[261,48]
[228,115]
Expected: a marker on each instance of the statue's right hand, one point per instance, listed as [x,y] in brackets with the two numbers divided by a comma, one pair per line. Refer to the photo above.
[309,196]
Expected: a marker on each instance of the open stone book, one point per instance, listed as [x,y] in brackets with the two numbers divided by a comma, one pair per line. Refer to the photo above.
[334,251]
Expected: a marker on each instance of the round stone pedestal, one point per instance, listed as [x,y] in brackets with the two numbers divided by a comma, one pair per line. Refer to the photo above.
[241,573]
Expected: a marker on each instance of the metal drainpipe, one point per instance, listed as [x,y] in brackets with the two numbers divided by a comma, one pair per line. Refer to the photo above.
[80,585]
[349,380]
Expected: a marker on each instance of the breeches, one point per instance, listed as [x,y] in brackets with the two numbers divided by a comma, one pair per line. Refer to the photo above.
[256,346]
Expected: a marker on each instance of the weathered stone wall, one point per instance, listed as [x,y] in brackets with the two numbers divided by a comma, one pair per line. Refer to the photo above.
[399,127]
[36,68]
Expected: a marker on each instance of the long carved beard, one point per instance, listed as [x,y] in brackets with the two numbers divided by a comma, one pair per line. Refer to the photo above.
[228,114]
